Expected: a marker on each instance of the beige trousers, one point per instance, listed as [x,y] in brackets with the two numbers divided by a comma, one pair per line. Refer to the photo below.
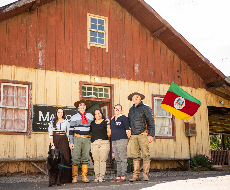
[100,149]
[139,144]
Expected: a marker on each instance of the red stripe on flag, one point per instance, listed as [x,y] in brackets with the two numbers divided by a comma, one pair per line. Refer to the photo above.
[190,107]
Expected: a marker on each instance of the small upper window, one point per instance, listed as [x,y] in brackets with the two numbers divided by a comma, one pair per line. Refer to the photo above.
[95,91]
[97,29]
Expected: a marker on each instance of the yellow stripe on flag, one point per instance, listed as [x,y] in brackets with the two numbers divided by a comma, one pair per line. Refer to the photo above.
[177,113]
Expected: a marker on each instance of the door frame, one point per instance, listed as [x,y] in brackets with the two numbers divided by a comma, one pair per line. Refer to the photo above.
[110,101]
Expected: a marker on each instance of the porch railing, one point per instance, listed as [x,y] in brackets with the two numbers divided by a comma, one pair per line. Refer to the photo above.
[220,157]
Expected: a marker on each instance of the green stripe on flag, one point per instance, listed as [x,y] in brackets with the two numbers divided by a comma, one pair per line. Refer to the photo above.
[180,92]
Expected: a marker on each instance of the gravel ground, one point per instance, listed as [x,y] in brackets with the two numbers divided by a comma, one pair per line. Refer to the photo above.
[39,178]
[173,180]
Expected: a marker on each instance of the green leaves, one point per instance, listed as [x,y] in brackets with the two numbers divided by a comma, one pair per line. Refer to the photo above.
[200,160]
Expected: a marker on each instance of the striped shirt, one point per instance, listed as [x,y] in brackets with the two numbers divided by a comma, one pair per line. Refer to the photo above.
[77,127]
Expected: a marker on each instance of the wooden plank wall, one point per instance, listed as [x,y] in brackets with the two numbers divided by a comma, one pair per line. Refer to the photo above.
[214,100]
[54,37]
[62,88]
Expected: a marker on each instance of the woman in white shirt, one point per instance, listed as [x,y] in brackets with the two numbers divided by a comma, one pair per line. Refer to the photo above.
[58,135]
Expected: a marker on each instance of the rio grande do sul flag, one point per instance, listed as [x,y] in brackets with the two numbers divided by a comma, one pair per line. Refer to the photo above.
[179,103]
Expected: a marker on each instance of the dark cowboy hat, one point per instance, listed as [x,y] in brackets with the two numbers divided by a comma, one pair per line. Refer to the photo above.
[136,93]
[76,104]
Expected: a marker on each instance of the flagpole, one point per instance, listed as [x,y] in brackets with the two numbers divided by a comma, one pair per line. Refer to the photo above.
[157,112]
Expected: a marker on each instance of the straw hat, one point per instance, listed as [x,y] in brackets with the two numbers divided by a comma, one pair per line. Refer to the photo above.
[136,93]
[76,104]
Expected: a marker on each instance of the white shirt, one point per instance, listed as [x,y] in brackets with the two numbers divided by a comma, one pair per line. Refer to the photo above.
[63,126]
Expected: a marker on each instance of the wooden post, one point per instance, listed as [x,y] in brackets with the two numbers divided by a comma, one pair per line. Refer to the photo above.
[228,152]
[223,142]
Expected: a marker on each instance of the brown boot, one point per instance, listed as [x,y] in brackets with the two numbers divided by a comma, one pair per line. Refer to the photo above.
[146,167]
[84,174]
[74,174]
[136,171]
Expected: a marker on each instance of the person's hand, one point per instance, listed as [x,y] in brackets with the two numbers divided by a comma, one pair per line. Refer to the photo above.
[108,121]
[128,134]
[71,146]
[150,139]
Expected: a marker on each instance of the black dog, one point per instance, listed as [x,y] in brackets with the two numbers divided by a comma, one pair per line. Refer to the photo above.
[55,159]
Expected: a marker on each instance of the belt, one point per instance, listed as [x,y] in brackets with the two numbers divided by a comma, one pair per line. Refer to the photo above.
[84,136]
[59,133]
[145,132]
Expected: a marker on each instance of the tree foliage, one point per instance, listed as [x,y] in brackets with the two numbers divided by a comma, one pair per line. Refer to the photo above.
[215,142]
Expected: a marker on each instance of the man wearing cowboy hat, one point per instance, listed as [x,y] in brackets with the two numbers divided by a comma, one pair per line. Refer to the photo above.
[141,135]
[80,141]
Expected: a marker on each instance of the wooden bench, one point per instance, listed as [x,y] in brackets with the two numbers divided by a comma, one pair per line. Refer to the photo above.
[184,167]
[220,157]
[31,160]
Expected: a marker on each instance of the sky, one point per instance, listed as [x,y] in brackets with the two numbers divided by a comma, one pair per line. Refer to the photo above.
[203,23]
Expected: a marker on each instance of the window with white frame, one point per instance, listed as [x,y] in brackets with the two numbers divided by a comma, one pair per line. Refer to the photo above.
[97,31]
[163,119]
[13,107]
[95,91]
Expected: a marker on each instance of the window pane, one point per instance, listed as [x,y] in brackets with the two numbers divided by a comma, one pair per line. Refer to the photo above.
[3,124]
[7,113]
[95,89]
[83,93]
[159,110]
[106,95]
[100,89]
[89,88]
[8,124]
[101,38]
[93,24]
[101,95]
[19,124]
[163,127]
[93,37]
[20,91]
[89,93]
[8,100]
[83,88]
[19,114]
[101,41]
[20,101]
[95,94]
[101,35]
[106,90]
[101,24]
[8,90]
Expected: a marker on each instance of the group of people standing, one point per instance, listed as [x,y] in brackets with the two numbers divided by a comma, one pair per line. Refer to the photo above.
[88,131]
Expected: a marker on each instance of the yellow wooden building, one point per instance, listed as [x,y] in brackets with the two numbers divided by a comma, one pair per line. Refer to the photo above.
[49,57]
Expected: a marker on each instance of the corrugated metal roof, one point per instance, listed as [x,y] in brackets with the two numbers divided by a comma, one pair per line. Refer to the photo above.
[159,28]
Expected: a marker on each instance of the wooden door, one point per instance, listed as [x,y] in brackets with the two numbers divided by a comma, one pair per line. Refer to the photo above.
[105,108]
